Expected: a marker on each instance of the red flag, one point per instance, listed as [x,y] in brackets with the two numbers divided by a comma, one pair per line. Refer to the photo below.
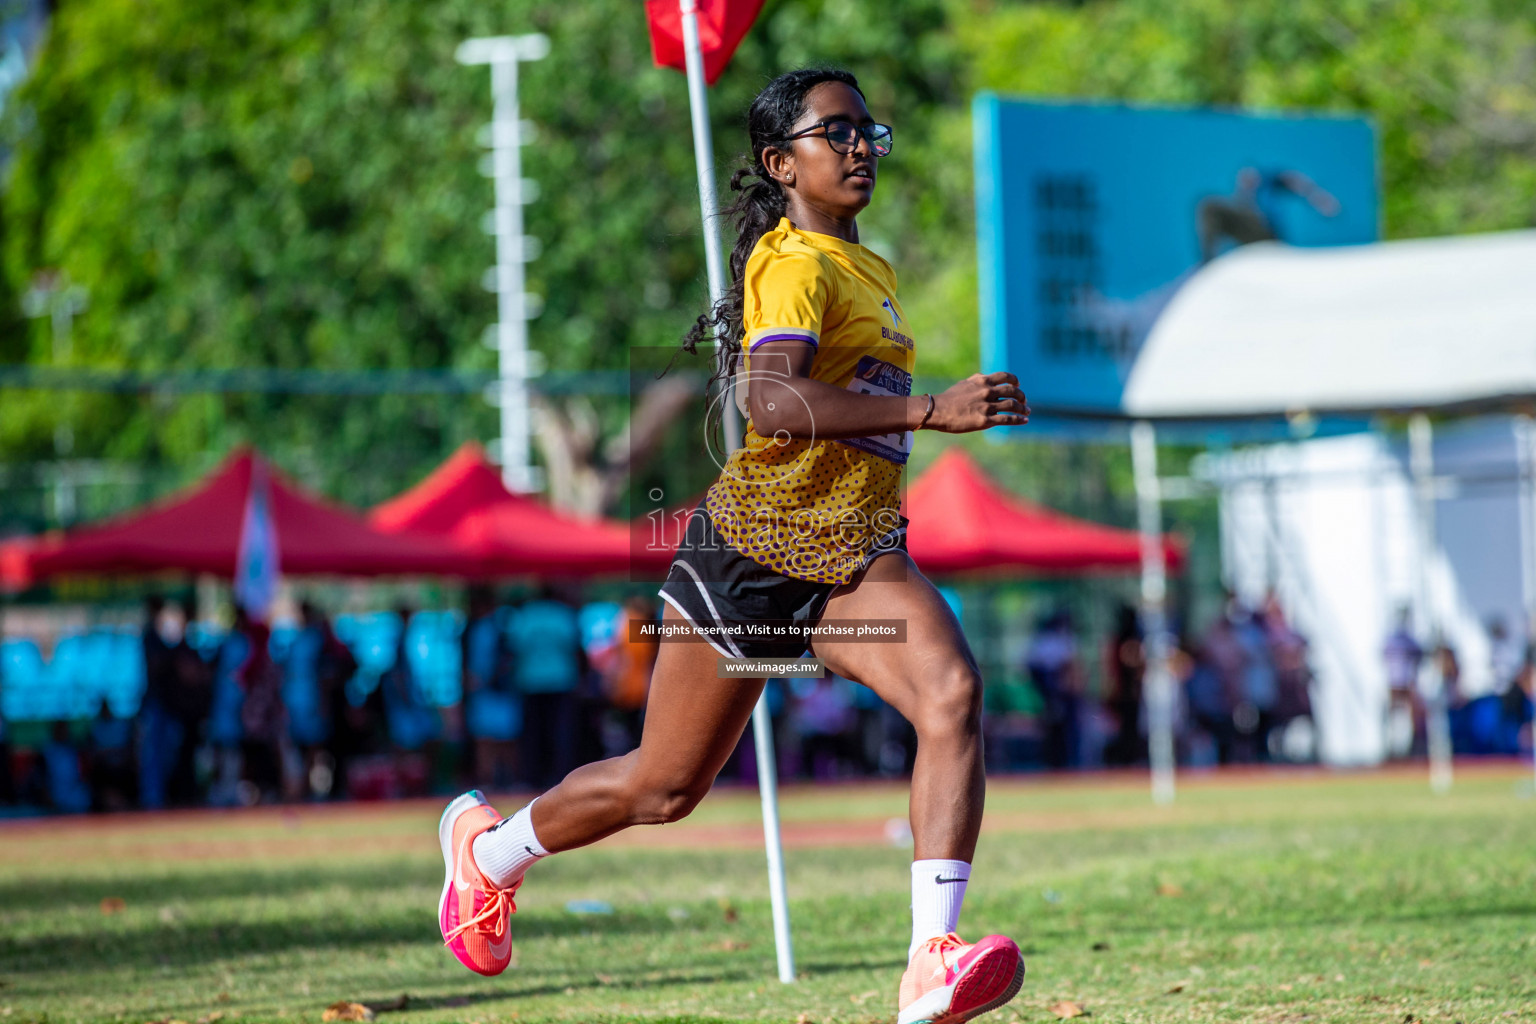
[723,24]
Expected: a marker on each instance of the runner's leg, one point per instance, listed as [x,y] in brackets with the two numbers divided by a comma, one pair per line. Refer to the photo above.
[695,720]
[692,723]
[933,681]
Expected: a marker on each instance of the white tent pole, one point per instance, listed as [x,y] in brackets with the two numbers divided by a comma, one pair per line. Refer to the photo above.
[1525,453]
[1378,484]
[762,724]
[1158,684]
[1525,434]
[1421,464]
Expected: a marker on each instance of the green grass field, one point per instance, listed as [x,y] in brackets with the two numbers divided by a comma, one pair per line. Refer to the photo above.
[1302,897]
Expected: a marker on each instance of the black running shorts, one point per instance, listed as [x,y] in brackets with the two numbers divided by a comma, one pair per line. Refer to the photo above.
[721,591]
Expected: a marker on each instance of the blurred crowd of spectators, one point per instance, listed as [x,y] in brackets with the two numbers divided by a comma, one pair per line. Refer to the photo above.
[515,695]
[1242,695]
[306,710]
[293,711]
[1498,721]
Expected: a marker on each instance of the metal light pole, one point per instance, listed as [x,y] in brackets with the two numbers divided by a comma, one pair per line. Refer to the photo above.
[514,307]
[53,296]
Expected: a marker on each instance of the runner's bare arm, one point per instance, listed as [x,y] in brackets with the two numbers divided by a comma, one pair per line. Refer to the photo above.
[782,397]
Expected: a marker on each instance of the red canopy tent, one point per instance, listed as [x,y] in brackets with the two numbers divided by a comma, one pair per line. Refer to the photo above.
[199,531]
[13,564]
[461,520]
[508,534]
[962,521]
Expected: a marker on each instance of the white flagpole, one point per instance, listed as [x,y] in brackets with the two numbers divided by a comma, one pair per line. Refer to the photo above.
[762,724]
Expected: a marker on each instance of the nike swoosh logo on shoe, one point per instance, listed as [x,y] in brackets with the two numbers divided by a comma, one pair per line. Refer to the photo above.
[975,953]
[459,881]
[971,956]
[500,951]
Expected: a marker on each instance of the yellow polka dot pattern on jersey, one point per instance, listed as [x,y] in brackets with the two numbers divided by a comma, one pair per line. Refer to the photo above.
[814,509]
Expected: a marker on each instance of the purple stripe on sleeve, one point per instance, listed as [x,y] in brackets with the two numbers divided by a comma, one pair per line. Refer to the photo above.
[782,337]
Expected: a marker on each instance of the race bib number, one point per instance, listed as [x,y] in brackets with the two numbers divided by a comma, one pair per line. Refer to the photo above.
[877,377]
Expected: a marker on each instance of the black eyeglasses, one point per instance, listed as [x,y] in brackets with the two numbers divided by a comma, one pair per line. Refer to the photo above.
[843,136]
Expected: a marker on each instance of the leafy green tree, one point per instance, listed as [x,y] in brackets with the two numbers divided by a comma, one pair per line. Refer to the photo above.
[293,185]
[1448,83]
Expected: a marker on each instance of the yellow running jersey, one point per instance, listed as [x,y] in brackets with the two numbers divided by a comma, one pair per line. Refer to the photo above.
[814,509]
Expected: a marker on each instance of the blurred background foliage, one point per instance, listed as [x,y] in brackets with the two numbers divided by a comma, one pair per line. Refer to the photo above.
[293,184]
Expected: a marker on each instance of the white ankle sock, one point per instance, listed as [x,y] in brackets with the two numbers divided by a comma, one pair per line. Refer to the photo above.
[505,851]
[938,889]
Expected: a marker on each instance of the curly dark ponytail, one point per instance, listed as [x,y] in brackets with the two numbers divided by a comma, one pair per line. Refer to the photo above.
[758,209]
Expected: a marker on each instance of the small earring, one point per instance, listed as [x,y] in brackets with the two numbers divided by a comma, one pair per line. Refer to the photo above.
[789,179]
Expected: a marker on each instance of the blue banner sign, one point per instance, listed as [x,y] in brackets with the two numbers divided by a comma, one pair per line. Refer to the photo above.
[1090,218]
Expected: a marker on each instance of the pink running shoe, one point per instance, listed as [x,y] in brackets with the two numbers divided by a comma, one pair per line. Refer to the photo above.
[948,981]
[472,912]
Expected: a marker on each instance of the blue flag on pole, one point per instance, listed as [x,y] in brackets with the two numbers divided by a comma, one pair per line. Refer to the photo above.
[256,563]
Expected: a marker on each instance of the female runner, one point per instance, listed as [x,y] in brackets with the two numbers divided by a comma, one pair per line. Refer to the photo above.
[801,526]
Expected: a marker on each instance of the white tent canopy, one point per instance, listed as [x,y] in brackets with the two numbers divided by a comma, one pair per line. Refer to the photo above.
[1271,329]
